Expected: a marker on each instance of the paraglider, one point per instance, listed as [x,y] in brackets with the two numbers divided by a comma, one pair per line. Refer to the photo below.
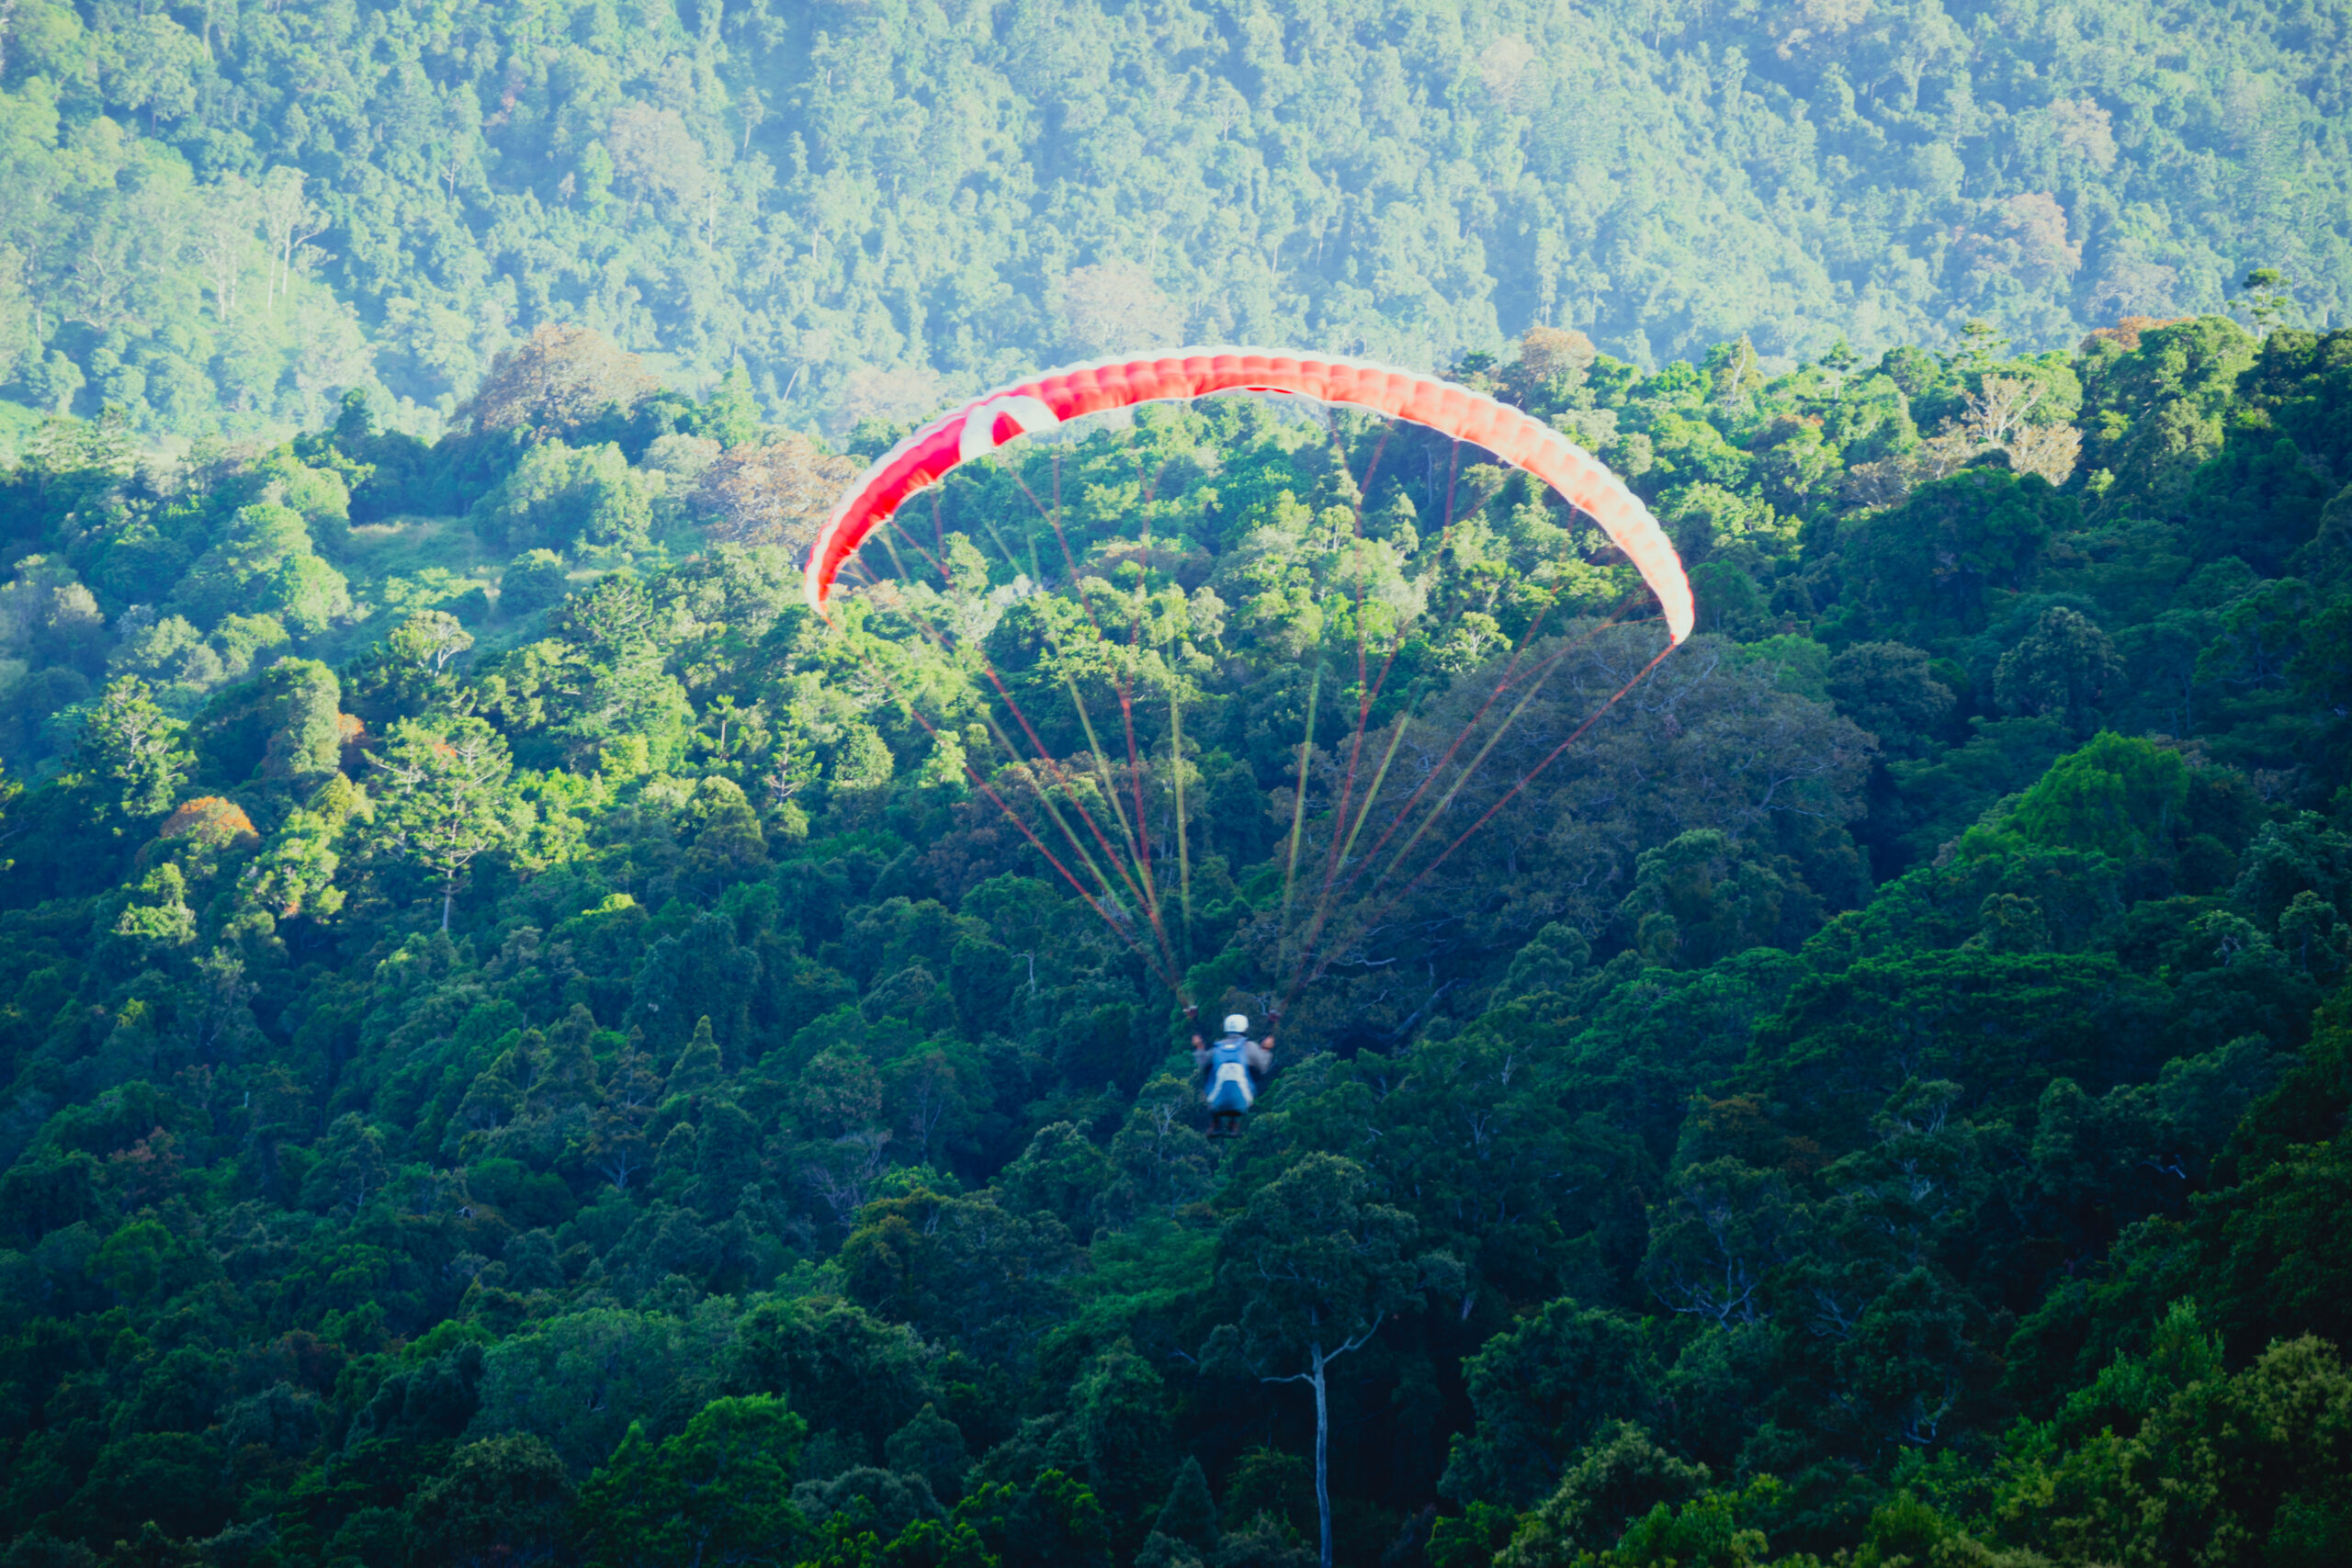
[1118,858]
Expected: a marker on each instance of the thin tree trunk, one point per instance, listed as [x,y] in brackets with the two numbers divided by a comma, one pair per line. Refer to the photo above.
[448,897]
[1322,1452]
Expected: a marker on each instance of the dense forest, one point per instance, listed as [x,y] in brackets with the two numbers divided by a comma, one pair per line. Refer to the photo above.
[221,213]
[523,1043]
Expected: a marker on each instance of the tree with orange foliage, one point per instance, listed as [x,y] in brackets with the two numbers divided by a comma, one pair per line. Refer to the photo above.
[2125,333]
[773,492]
[1550,359]
[212,821]
[556,381]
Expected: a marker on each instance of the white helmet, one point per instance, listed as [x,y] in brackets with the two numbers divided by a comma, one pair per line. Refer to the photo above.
[1237,1023]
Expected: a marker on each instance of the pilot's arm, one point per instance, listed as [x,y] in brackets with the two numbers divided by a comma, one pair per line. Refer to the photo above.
[1260,1052]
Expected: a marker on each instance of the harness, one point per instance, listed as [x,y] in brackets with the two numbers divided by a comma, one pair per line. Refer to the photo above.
[1230,1086]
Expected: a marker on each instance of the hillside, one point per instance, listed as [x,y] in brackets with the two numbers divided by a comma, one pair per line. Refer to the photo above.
[522,1044]
[221,215]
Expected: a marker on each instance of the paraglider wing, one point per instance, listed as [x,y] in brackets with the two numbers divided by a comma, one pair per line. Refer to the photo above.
[1054,399]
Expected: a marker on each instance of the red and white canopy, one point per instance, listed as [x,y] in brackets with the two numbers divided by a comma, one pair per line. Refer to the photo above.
[1058,396]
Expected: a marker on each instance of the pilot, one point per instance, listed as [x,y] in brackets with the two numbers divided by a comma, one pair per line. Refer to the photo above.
[1234,1064]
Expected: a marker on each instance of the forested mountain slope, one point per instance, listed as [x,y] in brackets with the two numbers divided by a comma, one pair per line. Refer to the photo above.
[521,1043]
[224,212]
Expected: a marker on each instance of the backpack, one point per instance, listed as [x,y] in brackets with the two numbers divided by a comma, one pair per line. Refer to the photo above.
[1230,1086]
